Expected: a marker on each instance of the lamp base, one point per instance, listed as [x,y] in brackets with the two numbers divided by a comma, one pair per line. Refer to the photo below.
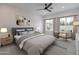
[2,35]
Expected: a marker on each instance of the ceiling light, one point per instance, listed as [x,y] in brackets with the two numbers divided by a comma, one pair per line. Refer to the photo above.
[62,7]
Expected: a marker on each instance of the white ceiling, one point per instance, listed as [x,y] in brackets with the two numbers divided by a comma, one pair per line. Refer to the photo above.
[57,7]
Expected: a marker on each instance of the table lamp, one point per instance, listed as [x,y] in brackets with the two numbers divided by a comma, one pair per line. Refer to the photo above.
[4,32]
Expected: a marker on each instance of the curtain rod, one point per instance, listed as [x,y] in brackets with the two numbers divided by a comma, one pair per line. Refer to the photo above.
[61,17]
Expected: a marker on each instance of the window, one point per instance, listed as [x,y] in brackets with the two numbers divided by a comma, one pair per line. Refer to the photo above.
[66,24]
[49,25]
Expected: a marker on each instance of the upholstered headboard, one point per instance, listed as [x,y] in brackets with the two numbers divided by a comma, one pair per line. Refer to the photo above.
[23,29]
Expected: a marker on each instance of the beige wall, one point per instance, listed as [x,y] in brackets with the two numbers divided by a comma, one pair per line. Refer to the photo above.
[8,17]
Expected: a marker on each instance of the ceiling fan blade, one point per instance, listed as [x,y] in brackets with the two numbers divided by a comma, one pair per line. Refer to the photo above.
[40,9]
[49,5]
[49,10]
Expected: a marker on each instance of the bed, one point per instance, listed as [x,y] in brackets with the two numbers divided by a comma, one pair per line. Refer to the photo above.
[34,43]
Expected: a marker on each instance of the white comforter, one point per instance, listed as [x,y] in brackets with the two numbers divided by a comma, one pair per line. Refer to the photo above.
[36,44]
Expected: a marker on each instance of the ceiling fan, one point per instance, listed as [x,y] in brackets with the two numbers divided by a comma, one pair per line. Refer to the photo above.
[47,7]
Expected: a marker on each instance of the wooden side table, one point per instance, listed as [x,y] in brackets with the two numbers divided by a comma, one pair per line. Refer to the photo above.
[5,41]
[0,42]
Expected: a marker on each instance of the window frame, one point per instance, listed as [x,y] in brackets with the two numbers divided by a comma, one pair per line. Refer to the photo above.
[65,25]
[45,25]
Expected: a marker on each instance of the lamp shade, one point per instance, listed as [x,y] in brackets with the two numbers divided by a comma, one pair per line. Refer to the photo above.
[3,30]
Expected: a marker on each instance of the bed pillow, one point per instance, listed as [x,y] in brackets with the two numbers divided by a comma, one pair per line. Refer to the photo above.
[33,34]
[23,33]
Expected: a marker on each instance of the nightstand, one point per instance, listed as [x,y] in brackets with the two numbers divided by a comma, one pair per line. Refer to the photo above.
[5,40]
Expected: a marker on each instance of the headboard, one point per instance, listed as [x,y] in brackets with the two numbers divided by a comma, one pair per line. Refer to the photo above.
[23,29]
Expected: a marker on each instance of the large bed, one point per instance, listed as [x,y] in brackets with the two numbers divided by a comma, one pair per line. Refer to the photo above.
[34,43]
